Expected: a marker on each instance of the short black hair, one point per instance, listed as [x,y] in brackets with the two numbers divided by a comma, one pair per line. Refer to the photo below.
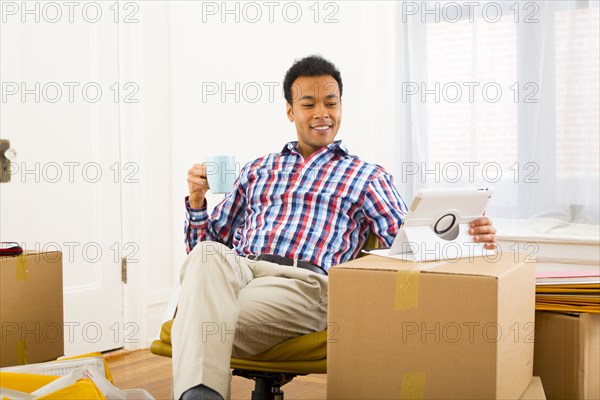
[309,66]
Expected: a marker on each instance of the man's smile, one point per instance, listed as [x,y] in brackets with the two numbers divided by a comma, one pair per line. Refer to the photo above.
[321,128]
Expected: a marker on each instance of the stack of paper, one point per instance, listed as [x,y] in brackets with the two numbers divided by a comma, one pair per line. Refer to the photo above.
[567,290]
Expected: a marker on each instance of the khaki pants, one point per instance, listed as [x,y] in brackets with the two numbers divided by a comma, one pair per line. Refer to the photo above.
[231,305]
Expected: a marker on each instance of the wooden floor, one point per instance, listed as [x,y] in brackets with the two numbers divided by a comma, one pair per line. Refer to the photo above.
[142,369]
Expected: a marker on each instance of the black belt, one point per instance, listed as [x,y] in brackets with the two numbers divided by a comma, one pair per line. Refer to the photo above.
[289,262]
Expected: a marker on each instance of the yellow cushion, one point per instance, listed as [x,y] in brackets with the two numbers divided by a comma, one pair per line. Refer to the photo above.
[165,332]
[297,367]
[309,347]
[161,348]
[303,354]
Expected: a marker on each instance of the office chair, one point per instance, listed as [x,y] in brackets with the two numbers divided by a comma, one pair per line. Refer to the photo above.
[277,366]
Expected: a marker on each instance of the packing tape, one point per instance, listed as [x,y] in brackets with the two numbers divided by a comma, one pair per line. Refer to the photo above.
[413,386]
[21,268]
[407,289]
[22,352]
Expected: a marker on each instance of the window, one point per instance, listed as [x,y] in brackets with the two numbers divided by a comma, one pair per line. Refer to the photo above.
[504,94]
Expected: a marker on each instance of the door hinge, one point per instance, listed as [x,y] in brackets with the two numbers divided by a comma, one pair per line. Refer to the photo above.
[124,270]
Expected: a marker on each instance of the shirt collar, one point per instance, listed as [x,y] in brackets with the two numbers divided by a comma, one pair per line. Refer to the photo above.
[337,146]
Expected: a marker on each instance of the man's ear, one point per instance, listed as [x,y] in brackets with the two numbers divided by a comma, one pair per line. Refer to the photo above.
[289,111]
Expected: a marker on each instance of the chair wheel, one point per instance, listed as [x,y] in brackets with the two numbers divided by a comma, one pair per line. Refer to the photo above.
[267,395]
[277,393]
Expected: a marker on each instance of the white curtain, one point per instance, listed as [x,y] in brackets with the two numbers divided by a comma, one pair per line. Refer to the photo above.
[504,94]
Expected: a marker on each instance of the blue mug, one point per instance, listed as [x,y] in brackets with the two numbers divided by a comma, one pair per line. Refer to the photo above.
[221,173]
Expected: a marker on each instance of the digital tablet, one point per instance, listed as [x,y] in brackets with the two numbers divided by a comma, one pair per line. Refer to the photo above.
[443,210]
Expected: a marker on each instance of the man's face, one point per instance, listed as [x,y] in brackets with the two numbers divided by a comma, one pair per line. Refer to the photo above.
[316,111]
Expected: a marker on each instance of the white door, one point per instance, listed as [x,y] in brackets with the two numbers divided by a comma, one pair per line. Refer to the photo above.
[60,111]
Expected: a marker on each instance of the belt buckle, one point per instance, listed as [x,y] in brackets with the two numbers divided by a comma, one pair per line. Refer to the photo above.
[295,263]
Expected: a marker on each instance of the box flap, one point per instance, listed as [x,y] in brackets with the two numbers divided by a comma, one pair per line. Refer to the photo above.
[39,253]
[496,266]
[534,391]
[51,255]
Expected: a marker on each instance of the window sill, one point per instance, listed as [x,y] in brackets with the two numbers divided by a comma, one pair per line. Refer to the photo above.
[550,241]
[546,230]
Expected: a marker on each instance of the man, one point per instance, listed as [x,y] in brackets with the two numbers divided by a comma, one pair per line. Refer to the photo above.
[312,206]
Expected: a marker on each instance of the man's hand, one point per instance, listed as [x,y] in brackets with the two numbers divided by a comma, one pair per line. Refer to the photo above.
[198,185]
[484,232]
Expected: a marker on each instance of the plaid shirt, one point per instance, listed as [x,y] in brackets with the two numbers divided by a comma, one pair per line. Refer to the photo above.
[320,209]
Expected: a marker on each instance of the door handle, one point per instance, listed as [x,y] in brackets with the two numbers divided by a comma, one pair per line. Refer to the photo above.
[7,154]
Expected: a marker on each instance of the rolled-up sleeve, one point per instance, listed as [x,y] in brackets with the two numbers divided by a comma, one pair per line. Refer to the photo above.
[227,216]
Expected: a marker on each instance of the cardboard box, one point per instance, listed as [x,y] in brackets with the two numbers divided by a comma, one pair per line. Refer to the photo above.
[31,308]
[535,390]
[567,354]
[447,330]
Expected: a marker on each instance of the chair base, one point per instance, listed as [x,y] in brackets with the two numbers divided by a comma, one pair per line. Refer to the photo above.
[268,384]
